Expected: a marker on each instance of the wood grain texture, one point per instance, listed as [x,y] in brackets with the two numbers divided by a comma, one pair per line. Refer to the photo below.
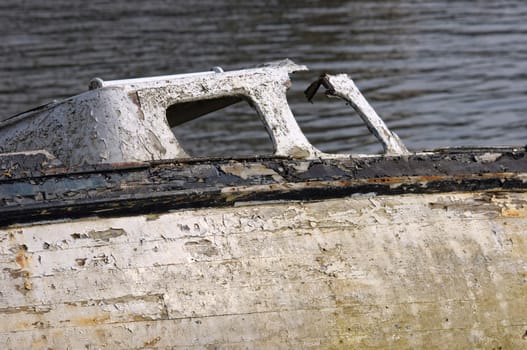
[434,270]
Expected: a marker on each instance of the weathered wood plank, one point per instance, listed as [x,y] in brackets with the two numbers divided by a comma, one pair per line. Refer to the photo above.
[86,313]
[270,330]
[264,331]
[377,271]
[146,188]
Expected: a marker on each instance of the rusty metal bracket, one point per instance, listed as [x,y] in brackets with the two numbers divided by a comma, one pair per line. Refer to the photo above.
[342,86]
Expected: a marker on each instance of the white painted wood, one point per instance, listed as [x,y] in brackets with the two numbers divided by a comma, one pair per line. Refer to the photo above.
[126,120]
[343,86]
[412,271]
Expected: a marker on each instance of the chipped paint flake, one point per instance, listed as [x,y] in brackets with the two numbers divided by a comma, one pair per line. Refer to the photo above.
[330,272]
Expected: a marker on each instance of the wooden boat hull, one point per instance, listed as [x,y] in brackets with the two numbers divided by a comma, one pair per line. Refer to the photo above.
[113,237]
[442,268]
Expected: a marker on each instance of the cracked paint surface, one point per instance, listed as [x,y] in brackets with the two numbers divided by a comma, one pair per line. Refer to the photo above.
[445,270]
[126,122]
[111,238]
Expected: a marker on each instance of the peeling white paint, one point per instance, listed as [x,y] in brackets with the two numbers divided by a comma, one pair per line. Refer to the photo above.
[124,121]
[342,86]
[380,271]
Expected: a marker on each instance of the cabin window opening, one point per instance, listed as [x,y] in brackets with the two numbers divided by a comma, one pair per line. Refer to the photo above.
[221,127]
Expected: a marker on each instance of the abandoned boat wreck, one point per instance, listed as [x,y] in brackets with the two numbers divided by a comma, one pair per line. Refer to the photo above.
[113,236]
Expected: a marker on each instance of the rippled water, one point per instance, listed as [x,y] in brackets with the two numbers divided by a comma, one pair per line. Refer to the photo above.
[440,73]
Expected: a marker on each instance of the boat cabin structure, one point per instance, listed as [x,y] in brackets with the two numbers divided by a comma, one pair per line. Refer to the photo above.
[113,236]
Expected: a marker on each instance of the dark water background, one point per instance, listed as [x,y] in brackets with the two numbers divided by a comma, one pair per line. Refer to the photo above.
[440,73]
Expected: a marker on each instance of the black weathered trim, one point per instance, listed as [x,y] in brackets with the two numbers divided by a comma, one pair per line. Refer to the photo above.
[141,188]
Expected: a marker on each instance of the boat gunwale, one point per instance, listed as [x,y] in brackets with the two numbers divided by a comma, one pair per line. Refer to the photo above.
[160,186]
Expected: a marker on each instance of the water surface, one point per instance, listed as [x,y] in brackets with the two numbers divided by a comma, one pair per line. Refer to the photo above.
[440,73]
